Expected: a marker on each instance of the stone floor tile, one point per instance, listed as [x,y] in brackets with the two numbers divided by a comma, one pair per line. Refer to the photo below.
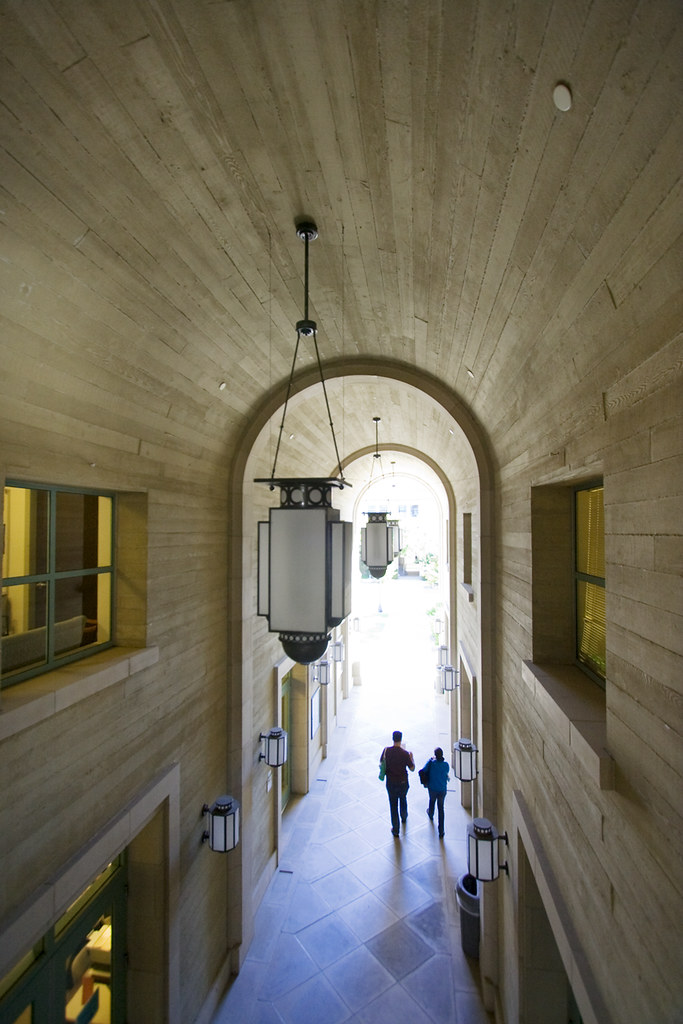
[306,906]
[328,940]
[367,916]
[395,1006]
[399,949]
[312,1003]
[289,967]
[359,977]
[339,887]
[431,985]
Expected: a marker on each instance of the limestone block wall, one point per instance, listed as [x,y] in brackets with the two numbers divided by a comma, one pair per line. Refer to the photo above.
[78,743]
[600,772]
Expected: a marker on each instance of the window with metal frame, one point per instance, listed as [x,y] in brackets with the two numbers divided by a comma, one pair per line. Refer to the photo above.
[57,577]
[589,578]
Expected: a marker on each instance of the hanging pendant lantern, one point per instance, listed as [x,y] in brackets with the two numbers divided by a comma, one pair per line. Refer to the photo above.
[304,571]
[377,538]
[482,850]
[377,544]
[305,549]
[465,760]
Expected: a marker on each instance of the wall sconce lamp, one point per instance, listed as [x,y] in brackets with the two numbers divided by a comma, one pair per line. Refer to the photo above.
[323,674]
[305,549]
[482,850]
[224,824]
[442,656]
[337,650]
[450,678]
[276,747]
[465,760]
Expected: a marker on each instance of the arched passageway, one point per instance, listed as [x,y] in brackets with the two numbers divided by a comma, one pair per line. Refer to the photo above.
[423,425]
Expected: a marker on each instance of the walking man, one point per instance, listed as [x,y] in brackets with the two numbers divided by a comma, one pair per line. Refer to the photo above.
[397,761]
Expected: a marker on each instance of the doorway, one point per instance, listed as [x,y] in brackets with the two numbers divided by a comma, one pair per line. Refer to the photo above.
[545,993]
[77,972]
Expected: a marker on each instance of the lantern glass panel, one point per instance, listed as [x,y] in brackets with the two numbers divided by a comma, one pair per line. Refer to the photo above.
[298,570]
[263,566]
[341,548]
[395,540]
[377,546]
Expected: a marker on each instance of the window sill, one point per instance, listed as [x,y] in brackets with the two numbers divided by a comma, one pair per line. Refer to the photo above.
[574,710]
[35,700]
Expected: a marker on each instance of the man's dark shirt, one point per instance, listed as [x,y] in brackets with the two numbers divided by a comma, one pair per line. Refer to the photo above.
[398,761]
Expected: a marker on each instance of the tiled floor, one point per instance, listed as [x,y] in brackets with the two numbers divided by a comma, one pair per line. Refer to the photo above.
[358,926]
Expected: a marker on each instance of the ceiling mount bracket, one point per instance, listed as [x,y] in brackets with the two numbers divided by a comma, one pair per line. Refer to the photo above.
[307,231]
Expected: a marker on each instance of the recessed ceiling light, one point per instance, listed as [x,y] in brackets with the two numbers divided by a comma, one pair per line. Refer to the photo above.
[222,386]
[562,96]
[470,373]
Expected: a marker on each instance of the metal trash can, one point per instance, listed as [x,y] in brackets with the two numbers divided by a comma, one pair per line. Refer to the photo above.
[467,894]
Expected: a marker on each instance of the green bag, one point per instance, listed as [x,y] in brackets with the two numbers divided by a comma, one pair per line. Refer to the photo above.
[382,768]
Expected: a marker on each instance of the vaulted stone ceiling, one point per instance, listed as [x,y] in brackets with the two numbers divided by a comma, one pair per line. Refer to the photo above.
[156,155]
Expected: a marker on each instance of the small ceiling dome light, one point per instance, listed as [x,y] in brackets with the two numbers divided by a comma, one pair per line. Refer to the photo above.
[465,760]
[562,96]
[276,747]
[304,550]
[482,850]
[450,678]
[223,833]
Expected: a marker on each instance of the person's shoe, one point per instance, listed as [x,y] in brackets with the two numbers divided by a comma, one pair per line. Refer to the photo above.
[404,819]
[394,833]
[430,816]
[441,835]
